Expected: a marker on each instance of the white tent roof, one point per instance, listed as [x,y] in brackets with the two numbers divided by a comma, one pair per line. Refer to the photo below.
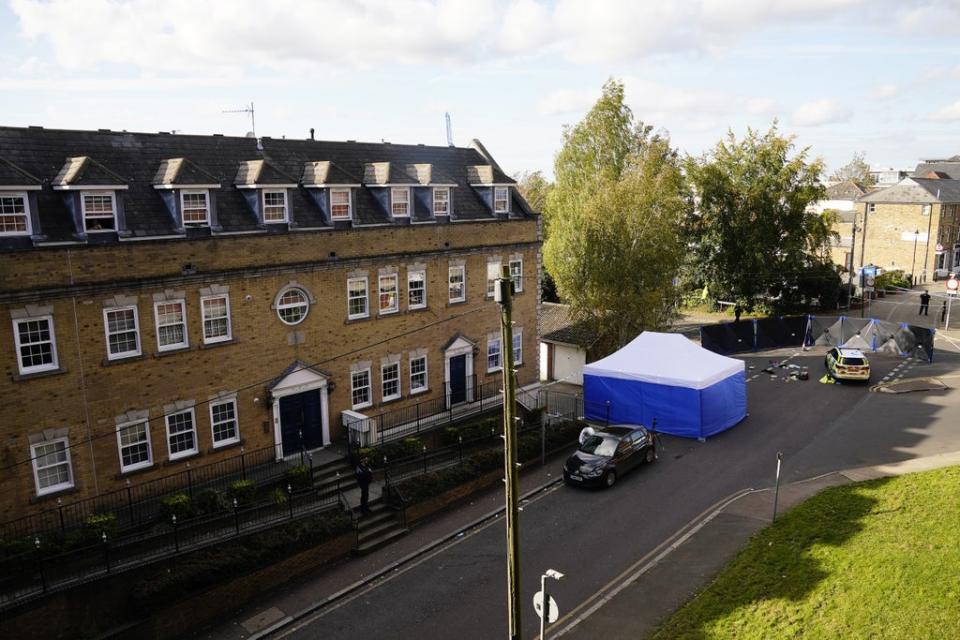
[666,358]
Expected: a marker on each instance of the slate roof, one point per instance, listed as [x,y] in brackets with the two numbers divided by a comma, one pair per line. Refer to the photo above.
[136,159]
[558,325]
[917,191]
[846,190]
[180,171]
[13,176]
[948,166]
[325,172]
[261,172]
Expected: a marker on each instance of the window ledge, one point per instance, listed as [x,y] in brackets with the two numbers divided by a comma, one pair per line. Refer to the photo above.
[384,401]
[227,445]
[53,495]
[135,472]
[175,461]
[170,352]
[419,391]
[357,319]
[213,345]
[358,407]
[388,313]
[418,309]
[17,377]
[107,362]
[453,303]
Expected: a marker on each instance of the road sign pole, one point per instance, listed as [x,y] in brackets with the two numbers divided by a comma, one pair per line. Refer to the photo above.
[545,611]
[946,324]
[776,493]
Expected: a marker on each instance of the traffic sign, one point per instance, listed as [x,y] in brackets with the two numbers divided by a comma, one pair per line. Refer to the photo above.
[939,247]
[952,284]
[554,611]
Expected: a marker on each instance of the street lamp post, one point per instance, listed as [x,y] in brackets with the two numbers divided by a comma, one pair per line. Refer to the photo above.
[853,249]
[546,607]
[913,265]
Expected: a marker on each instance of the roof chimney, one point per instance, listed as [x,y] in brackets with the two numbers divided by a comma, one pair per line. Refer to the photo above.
[311,133]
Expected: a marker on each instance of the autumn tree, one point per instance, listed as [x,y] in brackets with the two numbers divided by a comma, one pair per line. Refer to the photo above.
[857,170]
[614,245]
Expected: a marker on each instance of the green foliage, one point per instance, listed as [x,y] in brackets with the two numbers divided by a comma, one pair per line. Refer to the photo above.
[857,170]
[890,279]
[243,491]
[279,495]
[752,235]
[223,562]
[614,213]
[298,478]
[208,501]
[176,505]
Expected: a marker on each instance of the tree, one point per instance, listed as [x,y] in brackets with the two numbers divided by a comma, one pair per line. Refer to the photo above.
[752,234]
[614,245]
[857,170]
[534,188]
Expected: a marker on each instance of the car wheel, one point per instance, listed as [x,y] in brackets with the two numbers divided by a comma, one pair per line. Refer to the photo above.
[610,479]
[826,364]
[650,455]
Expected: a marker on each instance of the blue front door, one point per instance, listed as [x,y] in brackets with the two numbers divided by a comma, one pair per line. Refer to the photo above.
[458,379]
[301,421]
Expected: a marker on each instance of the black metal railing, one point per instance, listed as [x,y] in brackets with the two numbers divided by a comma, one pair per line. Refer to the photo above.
[137,505]
[41,570]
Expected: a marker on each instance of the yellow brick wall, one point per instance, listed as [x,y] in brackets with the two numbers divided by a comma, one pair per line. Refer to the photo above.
[883,245]
[88,396]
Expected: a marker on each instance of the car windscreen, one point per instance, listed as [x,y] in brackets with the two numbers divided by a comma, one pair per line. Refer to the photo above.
[853,362]
[600,446]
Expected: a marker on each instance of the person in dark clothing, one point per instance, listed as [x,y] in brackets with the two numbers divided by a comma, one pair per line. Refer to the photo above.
[737,310]
[924,304]
[364,476]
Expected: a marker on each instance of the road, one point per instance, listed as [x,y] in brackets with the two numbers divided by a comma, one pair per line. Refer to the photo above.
[459,591]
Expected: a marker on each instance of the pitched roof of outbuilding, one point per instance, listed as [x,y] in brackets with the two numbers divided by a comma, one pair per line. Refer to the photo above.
[558,325]
[846,190]
[917,191]
[948,166]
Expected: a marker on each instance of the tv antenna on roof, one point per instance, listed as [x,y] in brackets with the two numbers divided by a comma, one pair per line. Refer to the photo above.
[449,130]
[249,109]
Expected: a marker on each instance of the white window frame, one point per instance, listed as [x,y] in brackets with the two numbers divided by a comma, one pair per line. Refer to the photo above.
[282,305]
[505,199]
[51,366]
[136,331]
[143,464]
[173,346]
[113,205]
[60,486]
[426,380]
[383,382]
[422,279]
[446,202]
[366,298]
[490,352]
[206,209]
[214,423]
[349,204]
[462,271]
[204,318]
[393,202]
[286,205]
[492,282]
[517,346]
[381,310]
[193,431]
[22,195]
[517,276]
[353,389]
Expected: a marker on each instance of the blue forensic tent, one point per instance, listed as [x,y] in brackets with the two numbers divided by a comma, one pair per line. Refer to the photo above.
[692,392]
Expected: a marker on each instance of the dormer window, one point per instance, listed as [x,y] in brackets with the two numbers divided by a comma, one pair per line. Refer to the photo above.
[501,200]
[99,210]
[441,201]
[14,214]
[340,204]
[400,202]
[195,207]
[274,206]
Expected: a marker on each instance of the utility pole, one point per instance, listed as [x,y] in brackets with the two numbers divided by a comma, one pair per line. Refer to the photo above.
[853,248]
[504,295]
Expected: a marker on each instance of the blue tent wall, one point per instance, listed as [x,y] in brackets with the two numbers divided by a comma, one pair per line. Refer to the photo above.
[690,413]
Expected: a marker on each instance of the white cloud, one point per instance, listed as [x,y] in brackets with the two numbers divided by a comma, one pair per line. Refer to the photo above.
[886,91]
[185,36]
[949,113]
[820,112]
[566,102]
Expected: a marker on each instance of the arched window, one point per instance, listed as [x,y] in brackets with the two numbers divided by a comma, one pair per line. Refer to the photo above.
[293,305]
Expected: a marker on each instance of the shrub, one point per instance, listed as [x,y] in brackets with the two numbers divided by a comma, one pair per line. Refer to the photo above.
[208,501]
[243,491]
[176,505]
[298,478]
[889,279]
[279,496]
[92,531]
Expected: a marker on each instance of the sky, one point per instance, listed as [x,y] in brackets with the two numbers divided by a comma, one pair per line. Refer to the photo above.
[880,77]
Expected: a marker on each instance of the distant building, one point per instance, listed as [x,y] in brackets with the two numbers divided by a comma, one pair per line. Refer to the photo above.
[947,168]
[886,177]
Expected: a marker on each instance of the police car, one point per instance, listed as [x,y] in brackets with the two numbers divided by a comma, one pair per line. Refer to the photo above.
[847,364]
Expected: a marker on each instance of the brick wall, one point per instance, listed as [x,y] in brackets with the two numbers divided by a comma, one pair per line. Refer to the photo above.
[90,392]
[888,239]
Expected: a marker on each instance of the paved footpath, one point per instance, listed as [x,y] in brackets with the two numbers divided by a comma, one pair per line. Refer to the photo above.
[635,603]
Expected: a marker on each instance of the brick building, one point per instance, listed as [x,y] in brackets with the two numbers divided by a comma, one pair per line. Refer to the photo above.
[173,298]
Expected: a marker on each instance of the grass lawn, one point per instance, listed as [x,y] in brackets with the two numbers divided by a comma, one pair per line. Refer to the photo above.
[878,559]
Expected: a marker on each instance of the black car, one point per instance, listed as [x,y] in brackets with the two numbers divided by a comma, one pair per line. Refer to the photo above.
[608,454]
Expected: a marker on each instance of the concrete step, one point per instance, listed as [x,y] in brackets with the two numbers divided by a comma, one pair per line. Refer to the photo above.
[368,545]
[375,519]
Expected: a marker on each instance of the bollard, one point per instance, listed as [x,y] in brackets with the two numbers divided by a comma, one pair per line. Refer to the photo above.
[776,492]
